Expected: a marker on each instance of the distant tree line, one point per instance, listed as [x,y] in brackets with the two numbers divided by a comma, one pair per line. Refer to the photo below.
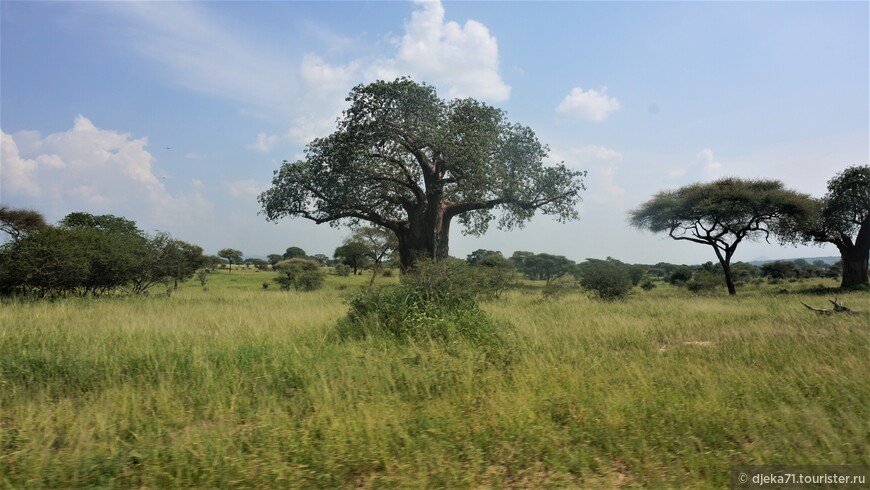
[88,255]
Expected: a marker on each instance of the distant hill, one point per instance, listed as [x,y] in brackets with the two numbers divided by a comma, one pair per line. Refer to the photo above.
[828,260]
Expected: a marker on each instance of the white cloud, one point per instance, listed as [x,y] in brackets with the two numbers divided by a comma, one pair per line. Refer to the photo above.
[265,142]
[711,167]
[91,169]
[16,173]
[247,188]
[204,53]
[602,165]
[591,105]
[705,167]
[463,58]
[194,156]
[326,79]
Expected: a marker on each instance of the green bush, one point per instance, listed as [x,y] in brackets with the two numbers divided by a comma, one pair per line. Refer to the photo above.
[705,281]
[342,270]
[300,274]
[436,301]
[609,280]
[647,284]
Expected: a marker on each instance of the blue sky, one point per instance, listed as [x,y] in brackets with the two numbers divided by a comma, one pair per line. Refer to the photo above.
[176,114]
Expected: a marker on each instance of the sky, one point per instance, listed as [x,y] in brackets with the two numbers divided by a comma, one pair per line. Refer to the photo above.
[175,115]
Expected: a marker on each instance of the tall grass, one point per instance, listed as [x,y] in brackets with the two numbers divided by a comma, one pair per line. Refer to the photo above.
[240,386]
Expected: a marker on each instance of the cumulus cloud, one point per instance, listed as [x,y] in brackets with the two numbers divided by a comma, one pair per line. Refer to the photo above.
[463,58]
[200,50]
[591,104]
[264,142]
[17,172]
[711,167]
[244,188]
[325,78]
[602,165]
[705,167]
[91,169]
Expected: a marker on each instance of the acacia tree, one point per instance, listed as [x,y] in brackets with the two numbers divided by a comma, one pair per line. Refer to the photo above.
[725,212]
[231,255]
[20,222]
[379,244]
[410,162]
[844,214]
[353,252]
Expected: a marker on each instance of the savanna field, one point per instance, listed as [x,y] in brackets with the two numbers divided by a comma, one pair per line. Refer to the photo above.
[240,386]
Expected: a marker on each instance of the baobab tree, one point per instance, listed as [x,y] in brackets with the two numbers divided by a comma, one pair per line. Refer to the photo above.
[407,161]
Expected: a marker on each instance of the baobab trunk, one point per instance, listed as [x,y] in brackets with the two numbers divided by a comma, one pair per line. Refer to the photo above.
[854,267]
[426,238]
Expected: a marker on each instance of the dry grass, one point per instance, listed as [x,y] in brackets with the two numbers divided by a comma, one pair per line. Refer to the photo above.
[240,386]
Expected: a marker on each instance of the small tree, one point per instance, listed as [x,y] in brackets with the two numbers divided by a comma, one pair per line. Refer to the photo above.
[294,252]
[274,259]
[725,212]
[543,267]
[231,255]
[379,244]
[353,252]
[609,279]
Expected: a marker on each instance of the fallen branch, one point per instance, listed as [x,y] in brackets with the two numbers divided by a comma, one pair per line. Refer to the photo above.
[838,308]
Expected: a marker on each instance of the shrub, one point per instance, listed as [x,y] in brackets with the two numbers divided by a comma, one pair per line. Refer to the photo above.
[647,284]
[556,289]
[609,280]
[300,274]
[342,270]
[705,281]
[202,275]
[436,301]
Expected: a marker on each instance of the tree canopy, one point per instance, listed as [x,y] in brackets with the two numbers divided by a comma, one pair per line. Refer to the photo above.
[19,222]
[231,255]
[725,212]
[410,162]
[92,255]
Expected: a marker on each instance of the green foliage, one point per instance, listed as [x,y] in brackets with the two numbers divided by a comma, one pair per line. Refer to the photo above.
[726,212]
[354,253]
[400,150]
[705,281]
[20,222]
[609,279]
[202,276]
[844,220]
[300,274]
[91,256]
[231,255]
[342,270]
[542,267]
[436,301]
[294,252]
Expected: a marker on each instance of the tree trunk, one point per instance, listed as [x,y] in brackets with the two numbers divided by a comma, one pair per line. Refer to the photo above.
[729,280]
[854,266]
[427,237]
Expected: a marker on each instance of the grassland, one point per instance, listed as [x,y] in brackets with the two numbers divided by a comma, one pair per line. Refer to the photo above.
[238,386]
